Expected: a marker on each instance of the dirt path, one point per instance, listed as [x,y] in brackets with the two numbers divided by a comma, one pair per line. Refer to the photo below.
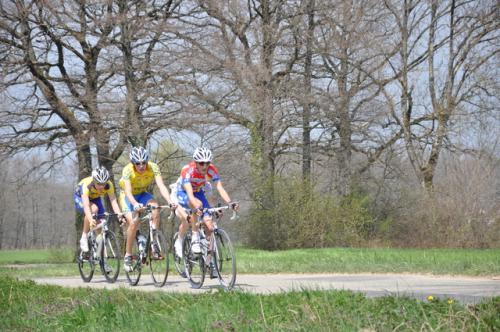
[463,289]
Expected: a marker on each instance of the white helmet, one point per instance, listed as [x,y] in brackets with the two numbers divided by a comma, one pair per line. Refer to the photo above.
[138,155]
[202,155]
[100,175]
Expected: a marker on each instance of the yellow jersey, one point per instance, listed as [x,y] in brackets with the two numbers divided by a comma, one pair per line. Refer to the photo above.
[139,181]
[86,186]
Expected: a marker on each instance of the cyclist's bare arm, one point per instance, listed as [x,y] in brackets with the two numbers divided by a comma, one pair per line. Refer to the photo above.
[163,189]
[86,207]
[222,192]
[114,204]
[128,192]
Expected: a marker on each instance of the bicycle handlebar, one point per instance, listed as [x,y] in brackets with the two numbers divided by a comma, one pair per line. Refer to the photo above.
[105,219]
[148,208]
[216,210]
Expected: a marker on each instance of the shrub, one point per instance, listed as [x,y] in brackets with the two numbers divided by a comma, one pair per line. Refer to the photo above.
[303,217]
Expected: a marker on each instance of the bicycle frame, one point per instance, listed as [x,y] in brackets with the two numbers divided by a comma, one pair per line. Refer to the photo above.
[99,251]
[210,251]
[148,216]
[145,256]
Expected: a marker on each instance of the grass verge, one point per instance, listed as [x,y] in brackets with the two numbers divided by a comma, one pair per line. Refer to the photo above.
[27,306]
[329,260]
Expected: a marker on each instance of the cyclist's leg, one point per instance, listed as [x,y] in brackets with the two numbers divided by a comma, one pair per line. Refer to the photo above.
[97,207]
[155,213]
[196,237]
[182,200]
[127,210]
[86,223]
[142,198]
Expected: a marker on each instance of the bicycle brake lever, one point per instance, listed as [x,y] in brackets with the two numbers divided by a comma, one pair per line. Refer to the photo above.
[234,216]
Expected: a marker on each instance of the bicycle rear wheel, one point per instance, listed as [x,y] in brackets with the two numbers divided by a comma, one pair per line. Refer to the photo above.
[86,264]
[179,264]
[158,263]
[225,260]
[110,258]
[134,275]
[194,265]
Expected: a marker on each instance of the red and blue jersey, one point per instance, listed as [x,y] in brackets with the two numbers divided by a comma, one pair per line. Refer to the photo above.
[189,174]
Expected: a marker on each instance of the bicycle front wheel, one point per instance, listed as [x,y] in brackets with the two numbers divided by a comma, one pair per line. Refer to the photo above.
[158,258]
[225,260]
[178,261]
[86,265]
[134,274]
[194,265]
[110,258]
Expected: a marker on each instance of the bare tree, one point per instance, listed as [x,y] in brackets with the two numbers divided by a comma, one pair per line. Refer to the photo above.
[353,45]
[243,49]
[472,43]
[307,104]
[461,47]
[65,82]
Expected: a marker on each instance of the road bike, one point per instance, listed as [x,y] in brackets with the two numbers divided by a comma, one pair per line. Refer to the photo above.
[151,250]
[103,251]
[217,253]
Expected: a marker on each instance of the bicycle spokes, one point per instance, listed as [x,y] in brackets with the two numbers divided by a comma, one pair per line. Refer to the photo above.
[134,275]
[158,258]
[110,262]
[225,260]
[86,265]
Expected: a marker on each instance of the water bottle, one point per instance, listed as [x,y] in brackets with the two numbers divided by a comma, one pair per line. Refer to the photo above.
[99,242]
[92,245]
[141,240]
[204,245]
[91,237]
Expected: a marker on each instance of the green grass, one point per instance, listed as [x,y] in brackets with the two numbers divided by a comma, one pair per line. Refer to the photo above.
[35,256]
[331,260]
[27,306]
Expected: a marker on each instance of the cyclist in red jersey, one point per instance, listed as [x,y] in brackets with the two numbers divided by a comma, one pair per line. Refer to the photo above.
[190,193]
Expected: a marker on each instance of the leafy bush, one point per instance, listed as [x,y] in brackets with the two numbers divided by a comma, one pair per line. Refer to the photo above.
[304,218]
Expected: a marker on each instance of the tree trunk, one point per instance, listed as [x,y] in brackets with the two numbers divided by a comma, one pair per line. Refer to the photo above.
[306,115]
[84,170]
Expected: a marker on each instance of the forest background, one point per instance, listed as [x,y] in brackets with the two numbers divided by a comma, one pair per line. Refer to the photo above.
[334,123]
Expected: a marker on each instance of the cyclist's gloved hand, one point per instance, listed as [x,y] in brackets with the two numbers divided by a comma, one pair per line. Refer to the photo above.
[199,211]
[234,205]
[138,206]
[93,222]
[121,219]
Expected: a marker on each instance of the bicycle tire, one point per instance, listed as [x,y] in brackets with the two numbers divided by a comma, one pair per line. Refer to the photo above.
[194,265]
[225,259]
[86,265]
[134,276]
[159,265]
[179,264]
[110,256]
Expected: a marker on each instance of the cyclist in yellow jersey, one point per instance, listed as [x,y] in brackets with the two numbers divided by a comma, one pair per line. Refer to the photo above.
[88,201]
[135,180]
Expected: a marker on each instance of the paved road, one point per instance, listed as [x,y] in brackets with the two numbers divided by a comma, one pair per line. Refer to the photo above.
[463,289]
